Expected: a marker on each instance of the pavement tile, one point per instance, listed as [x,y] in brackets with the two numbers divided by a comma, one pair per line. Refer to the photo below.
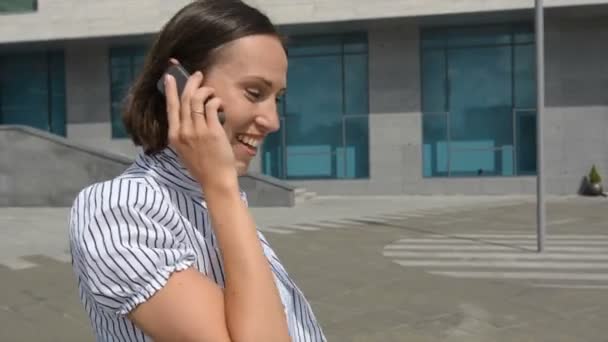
[356,292]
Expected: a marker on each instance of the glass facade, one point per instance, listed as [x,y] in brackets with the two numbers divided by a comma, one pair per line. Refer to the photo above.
[18,6]
[125,64]
[478,101]
[324,115]
[32,90]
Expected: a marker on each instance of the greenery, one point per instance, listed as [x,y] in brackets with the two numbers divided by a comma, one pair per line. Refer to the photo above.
[594,176]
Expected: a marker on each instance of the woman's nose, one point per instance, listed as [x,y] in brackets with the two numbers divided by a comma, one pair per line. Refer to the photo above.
[269,118]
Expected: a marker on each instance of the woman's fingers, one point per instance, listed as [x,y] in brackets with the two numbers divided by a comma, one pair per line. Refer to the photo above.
[173,107]
[192,85]
[212,108]
[197,105]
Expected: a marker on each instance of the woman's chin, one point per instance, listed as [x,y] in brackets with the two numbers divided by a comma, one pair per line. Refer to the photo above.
[241,167]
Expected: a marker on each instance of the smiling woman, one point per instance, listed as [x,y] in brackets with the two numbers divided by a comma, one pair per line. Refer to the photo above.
[168,251]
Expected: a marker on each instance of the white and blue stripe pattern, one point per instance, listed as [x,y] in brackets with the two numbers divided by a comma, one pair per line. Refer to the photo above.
[128,235]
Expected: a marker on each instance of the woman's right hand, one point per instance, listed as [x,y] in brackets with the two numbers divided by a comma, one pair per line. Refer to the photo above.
[197,135]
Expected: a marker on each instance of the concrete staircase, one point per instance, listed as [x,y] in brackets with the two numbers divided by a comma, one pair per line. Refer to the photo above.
[41,169]
[302,195]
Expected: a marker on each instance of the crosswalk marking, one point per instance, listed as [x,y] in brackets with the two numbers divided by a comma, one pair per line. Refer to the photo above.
[575,261]
[504,264]
[487,247]
[530,236]
[563,221]
[276,230]
[579,287]
[523,275]
[17,263]
[512,256]
[518,242]
[300,227]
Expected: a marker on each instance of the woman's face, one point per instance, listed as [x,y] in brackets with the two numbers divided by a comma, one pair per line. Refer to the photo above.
[249,76]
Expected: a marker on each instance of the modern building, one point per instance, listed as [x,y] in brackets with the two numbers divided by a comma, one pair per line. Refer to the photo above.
[385,97]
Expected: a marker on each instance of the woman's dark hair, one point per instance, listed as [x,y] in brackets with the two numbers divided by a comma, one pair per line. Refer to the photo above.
[193,36]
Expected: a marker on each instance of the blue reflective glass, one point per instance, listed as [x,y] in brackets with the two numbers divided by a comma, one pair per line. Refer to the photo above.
[526,142]
[356,99]
[313,46]
[125,65]
[434,88]
[355,154]
[480,162]
[433,38]
[525,76]
[480,95]
[313,115]
[325,129]
[355,43]
[311,155]
[435,144]
[18,6]
[488,80]
[472,36]
[523,34]
[58,96]
[24,89]
[273,154]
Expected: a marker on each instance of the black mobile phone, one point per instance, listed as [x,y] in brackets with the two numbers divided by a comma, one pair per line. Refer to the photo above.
[181,77]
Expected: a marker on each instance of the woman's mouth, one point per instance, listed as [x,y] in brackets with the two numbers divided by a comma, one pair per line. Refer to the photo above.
[250,143]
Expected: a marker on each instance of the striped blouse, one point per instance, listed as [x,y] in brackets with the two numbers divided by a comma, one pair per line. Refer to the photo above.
[129,234]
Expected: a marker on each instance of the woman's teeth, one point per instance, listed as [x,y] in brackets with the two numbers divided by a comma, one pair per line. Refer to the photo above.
[253,142]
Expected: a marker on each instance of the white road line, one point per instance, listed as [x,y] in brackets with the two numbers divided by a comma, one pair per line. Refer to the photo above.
[523,275]
[276,231]
[412,214]
[485,256]
[395,217]
[327,226]
[336,224]
[373,219]
[495,241]
[504,264]
[573,286]
[563,221]
[455,248]
[526,236]
[17,263]
[62,257]
[299,227]
[363,222]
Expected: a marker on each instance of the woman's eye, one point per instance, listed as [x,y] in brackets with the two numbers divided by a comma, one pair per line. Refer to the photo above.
[254,94]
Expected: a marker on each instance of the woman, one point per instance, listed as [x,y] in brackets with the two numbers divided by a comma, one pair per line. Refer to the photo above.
[168,251]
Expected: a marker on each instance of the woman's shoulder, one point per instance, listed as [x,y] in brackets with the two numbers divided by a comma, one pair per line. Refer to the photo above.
[123,192]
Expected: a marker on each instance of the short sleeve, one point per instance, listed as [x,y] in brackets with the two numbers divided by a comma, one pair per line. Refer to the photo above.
[124,245]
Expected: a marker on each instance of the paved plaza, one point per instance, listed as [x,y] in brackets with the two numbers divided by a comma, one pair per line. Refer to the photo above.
[374,269]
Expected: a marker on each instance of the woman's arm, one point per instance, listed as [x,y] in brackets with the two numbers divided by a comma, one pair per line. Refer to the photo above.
[191,307]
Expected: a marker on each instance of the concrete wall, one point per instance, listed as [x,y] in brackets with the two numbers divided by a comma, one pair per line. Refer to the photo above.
[69,19]
[39,169]
[576,122]
[88,97]
[265,191]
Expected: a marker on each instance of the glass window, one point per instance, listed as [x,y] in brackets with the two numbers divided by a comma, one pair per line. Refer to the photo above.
[476,89]
[17,6]
[32,90]
[324,115]
[125,64]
